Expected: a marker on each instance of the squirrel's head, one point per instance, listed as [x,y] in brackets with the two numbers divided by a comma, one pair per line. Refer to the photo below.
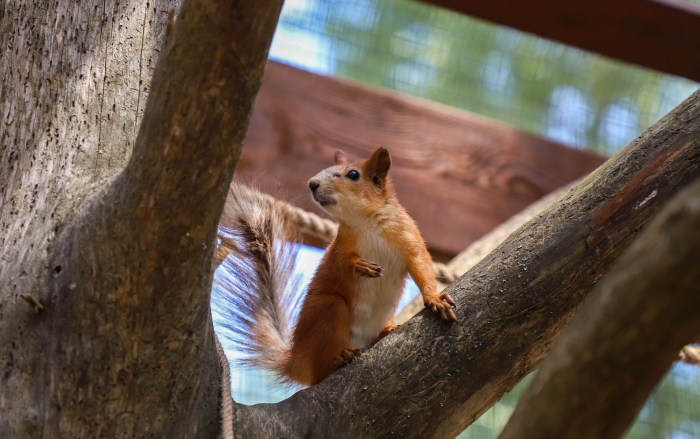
[348,190]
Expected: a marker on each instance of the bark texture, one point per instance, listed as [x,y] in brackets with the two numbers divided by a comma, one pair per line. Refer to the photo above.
[74,80]
[121,262]
[429,379]
[606,363]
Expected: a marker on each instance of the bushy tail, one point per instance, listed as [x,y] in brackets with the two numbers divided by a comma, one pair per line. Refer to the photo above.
[258,291]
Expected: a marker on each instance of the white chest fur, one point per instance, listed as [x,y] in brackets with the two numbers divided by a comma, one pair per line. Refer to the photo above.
[377,298]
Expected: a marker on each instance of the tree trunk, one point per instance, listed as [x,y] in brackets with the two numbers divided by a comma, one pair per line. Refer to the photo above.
[606,363]
[116,338]
[429,379]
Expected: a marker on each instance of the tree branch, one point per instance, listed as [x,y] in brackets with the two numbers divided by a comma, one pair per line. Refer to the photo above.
[511,306]
[129,325]
[606,363]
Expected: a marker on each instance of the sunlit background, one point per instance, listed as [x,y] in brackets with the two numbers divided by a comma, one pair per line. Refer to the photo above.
[568,95]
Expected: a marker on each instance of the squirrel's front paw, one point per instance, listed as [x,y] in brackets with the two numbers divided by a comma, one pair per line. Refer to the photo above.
[441,303]
[366,268]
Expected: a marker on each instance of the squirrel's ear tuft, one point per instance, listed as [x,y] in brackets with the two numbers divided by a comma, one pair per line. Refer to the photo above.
[378,166]
[339,157]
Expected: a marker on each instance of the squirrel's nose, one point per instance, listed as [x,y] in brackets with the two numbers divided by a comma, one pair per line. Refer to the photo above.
[313,185]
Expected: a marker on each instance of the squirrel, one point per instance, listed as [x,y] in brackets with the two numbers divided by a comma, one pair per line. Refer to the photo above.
[352,298]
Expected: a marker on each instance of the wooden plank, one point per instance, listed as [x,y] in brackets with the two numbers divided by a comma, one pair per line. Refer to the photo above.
[659,34]
[458,174]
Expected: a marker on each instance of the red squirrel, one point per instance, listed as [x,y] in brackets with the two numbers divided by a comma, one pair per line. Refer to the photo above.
[352,298]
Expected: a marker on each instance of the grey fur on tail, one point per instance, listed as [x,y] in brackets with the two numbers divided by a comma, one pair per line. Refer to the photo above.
[259,292]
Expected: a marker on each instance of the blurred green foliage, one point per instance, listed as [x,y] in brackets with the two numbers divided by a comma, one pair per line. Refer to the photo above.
[561,92]
[672,411]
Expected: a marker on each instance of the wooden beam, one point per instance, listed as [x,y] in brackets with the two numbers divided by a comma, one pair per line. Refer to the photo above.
[659,34]
[473,171]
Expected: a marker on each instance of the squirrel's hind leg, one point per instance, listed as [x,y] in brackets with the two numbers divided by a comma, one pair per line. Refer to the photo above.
[321,336]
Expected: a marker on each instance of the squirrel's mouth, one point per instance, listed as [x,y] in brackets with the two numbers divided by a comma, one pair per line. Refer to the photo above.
[324,201]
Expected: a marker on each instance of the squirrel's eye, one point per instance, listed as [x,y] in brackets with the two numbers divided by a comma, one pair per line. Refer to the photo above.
[353,175]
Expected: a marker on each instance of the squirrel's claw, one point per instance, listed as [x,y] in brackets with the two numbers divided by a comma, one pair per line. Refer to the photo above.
[443,304]
[446,297]
[348,354]
[366,268]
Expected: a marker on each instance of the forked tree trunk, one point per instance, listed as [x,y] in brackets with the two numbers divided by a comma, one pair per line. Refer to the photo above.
[108,236]
[106,257]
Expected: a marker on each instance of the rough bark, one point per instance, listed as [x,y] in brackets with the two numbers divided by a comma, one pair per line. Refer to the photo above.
[606,363]
[429,379]
[123,342]
[120,261]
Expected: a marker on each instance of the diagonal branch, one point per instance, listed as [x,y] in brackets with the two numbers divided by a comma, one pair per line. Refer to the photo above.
[607,362]
[132,273]
[487,243]
[431,380]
